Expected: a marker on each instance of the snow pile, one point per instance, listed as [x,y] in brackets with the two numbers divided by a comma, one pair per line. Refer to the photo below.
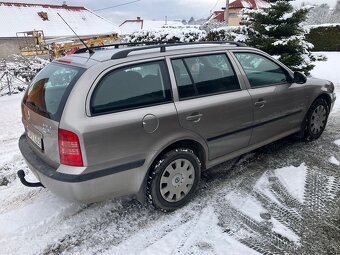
[167,35]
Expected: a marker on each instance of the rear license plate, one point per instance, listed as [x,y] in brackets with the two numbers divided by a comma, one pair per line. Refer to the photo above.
[35,137]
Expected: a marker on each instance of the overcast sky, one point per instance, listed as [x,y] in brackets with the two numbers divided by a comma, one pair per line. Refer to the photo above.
[155,9]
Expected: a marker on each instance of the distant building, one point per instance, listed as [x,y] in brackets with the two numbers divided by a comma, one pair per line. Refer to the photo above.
[132,25]
[235,9]
[22,17]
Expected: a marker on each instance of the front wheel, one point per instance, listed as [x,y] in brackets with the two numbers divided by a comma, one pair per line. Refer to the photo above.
[174,179]
[316,119]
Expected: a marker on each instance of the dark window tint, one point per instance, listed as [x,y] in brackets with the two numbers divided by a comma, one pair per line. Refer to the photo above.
[49,90]
[260,70]
[132,87]
[184,84]
[204,75]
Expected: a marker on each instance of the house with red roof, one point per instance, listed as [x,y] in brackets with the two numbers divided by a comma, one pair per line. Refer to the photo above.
[23,17]
[235,8]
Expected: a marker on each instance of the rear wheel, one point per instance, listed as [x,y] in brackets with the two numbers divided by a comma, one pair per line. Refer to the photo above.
[174,179]
[316,119]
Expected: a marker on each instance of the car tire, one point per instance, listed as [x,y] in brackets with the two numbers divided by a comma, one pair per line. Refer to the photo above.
[316,119]
[174,179]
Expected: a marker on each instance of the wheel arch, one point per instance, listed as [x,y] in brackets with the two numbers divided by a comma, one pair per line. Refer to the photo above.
[194,145]
[325,96]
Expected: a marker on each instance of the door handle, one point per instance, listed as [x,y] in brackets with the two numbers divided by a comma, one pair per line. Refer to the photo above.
[260,103]
[195,117]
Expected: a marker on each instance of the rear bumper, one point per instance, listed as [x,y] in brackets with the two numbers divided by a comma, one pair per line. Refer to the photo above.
[91,187]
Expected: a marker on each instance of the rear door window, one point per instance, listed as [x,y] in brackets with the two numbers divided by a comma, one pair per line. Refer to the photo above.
[132,87]
[204,75]
[260,70]
[49,90]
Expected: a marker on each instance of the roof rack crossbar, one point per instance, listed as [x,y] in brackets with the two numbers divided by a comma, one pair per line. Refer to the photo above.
[152,45]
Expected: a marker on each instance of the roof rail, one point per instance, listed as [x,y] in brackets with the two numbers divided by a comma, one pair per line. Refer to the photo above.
[116,45]
[152,45]
[124,53]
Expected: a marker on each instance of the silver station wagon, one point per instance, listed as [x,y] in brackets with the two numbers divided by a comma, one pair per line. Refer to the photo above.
[145,121]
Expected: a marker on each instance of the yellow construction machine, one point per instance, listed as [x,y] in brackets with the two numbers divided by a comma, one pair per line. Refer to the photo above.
[33,43]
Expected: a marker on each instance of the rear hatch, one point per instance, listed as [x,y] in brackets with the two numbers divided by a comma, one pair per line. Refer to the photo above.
[43,105]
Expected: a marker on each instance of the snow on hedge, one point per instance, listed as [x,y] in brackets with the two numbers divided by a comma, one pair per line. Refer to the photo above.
[167,35]
[323,25]
[229,33]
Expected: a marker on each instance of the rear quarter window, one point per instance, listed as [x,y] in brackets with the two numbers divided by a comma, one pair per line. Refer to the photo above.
[132,87]
[49,90]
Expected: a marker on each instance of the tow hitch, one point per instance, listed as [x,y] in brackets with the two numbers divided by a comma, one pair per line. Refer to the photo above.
[21,175]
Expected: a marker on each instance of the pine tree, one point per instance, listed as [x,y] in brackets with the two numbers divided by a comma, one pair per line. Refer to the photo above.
[279,32]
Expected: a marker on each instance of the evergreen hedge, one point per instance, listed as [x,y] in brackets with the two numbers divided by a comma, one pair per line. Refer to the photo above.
[325,38]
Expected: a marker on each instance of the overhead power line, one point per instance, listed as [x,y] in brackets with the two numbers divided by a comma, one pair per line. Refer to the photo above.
[114,6]
[215,5]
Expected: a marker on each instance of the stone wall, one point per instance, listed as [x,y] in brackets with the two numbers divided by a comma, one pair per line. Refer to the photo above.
[8,46]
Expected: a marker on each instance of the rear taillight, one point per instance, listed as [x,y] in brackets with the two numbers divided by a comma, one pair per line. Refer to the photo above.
[69,148]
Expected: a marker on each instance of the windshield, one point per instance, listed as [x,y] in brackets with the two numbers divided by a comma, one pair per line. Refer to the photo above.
[49,90]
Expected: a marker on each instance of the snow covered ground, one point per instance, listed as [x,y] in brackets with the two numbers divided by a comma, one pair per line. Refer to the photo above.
[328,69]
[281,199]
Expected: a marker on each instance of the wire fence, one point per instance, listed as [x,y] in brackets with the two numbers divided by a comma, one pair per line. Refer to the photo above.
[17,73]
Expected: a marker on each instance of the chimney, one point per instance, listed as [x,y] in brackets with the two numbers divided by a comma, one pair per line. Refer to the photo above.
[64,3]
[138,18]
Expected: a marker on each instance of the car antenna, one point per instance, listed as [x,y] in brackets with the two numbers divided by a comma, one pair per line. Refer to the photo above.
[91,51]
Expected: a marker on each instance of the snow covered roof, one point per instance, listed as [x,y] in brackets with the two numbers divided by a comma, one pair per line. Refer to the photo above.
[130,26]
[217,16]
[252,4]
[22,17]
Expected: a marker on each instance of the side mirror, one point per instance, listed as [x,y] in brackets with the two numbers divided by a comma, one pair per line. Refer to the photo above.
[300,78]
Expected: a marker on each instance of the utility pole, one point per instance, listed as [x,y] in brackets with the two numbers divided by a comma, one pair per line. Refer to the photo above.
[226,12]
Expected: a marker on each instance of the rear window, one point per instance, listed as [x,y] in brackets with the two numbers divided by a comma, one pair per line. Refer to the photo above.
[49,90]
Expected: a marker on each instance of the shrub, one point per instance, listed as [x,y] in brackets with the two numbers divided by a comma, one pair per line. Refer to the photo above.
[167,35]
[325,37]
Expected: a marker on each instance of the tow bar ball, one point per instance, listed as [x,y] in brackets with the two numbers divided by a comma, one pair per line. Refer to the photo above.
[21,175]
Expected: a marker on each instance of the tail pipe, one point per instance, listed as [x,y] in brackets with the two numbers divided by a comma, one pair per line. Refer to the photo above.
[21,175]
